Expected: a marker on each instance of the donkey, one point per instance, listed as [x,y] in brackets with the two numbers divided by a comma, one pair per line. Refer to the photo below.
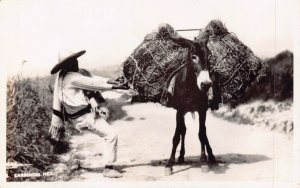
[190,94]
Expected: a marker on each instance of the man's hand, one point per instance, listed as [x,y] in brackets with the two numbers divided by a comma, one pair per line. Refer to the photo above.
[103,112]
[121,86]
[56,132]
[112,81]
[94,106]
[119,80]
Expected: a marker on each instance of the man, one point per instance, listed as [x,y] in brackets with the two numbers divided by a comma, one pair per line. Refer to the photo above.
[70,104]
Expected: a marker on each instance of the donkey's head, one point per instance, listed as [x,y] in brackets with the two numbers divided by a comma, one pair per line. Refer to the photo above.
[200,66]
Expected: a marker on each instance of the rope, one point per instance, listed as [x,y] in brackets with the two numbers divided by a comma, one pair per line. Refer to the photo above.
[163,47]
[154,59]
[137,68]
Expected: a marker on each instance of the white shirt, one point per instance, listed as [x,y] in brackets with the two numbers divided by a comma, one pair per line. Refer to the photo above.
[69,91]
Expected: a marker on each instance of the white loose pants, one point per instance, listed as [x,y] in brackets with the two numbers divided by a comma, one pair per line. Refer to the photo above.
[103,129]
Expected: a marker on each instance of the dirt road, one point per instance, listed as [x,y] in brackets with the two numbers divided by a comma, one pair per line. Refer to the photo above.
[244,153]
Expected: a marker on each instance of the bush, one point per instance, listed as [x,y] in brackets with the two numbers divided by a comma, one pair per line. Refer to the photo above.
[27,126]
[276,81]
[272,115]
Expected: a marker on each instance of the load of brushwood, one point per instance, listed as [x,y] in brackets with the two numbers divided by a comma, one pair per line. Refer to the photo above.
[153,63]
[156,60]
[231,62]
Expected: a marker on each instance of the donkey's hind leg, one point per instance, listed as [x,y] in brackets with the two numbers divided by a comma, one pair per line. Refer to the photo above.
[204,140]
[182,134]
[176,140]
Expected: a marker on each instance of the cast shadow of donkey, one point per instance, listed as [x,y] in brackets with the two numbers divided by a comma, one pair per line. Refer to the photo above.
[224,162]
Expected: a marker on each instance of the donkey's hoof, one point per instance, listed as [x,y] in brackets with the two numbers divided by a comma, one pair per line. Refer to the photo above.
[203,158]
[180,160]
[212,159]
[205,168]
[168,171]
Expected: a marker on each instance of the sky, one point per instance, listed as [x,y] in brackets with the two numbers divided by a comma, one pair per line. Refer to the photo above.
[32,32]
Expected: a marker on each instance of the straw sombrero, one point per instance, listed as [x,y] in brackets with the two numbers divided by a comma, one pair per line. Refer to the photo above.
[63,59]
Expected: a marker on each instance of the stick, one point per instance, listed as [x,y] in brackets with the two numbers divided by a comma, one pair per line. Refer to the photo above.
[188,29]
[15,165]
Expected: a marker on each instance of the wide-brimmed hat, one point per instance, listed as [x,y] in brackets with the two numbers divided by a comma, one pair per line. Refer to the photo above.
[63,59]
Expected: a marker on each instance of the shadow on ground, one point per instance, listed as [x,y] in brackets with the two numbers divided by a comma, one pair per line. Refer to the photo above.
[221,166]
[115,107]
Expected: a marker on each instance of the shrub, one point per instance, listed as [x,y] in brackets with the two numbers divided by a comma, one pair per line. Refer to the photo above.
[276,81]
[27,126]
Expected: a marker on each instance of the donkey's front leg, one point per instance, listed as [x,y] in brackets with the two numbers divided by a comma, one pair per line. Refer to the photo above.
[203,157]
[176,140]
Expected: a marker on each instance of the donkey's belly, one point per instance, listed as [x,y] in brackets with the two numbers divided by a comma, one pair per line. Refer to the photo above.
[188,103]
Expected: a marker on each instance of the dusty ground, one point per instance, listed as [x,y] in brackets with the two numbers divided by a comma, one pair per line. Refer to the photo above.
[245,153]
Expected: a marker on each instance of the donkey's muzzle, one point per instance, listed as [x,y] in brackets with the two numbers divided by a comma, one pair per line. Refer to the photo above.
[204,81]
[205,85]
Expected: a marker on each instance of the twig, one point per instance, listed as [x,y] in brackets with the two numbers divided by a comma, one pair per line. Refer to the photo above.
[236,71]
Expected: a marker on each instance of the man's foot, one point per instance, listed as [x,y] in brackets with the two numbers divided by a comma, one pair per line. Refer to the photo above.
[109,172]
